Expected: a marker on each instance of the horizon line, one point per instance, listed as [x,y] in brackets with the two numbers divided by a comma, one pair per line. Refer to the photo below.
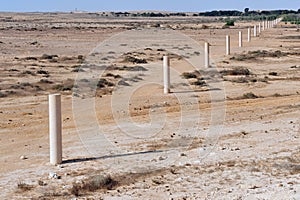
[129,11]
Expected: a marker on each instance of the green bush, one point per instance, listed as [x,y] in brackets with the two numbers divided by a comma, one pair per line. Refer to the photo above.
[229,22]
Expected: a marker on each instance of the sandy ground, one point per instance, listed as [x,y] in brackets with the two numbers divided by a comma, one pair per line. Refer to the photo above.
[229,137]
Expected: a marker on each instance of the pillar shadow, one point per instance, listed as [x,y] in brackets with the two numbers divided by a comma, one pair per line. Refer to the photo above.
[76,160]
[194,91]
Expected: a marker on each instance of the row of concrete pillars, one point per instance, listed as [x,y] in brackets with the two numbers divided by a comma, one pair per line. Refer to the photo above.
[55,124]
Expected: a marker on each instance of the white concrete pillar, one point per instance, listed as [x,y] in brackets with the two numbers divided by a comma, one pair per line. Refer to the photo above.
[263,25]
[249,34]
[240,39]
[279,20]
[259,27]
[254,31]
[55,129]
[227,45]
[166,71]
[206,54]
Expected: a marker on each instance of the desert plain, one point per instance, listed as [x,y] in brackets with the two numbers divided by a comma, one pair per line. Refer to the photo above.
[230,131]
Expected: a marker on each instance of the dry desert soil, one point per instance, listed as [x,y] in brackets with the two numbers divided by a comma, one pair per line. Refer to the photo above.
[230,131]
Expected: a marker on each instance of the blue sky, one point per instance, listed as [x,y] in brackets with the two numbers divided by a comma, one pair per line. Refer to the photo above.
[132,5]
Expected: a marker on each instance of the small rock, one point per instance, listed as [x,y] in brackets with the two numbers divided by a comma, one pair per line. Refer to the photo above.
[53,175]
[197,162]
[157,181]
[23,157]
[188,164]
[79,182]
[254,187]
[67,186]
[162,158]
[41,183]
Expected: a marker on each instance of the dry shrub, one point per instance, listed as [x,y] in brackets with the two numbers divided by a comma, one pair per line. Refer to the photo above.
[103,82]
[134,68]
[238,71]
[199,82]
[94,183]
[23,187]
[253,55]
[249,95]
[188,75]
[134,60]
[273,74]
[2,95]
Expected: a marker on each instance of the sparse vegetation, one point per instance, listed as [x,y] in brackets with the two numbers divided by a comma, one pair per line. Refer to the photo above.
[196,78]
[134,60]
[249,95]
[277,95]
[199,82]
[292,18]
[113,75]
[188,75]
[45,81]
[23,187]
[28,72]
[78,69]
[123,82]
[48,57]
[229,22]
[42,72]
[273,74]
[134,68]
[2,95]
[237,71]
[103,82]
[253,55]
[94,183]
[204,26]
[65,86]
